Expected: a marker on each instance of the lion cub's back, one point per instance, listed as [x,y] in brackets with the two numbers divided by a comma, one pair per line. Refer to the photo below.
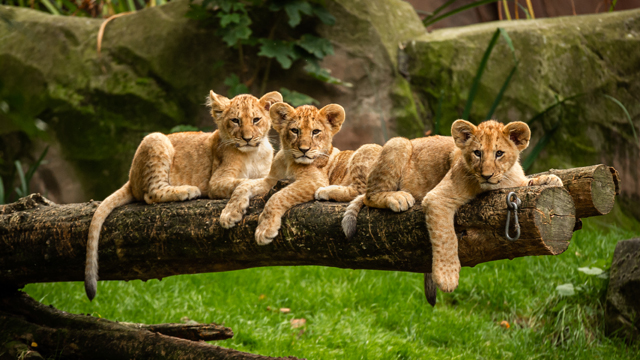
[429,163]
[193,158]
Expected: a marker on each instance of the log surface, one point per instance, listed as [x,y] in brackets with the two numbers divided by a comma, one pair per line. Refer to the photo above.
[58,334]
[43,242]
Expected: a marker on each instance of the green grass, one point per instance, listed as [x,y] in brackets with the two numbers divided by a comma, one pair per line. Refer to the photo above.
[355,314]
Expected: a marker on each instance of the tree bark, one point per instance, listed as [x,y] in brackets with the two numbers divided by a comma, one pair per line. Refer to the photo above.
[44,242]
[54,333]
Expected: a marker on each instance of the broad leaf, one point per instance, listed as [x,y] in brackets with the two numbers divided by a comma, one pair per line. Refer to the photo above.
[591,270]
[323,14]
[235,86]
[319,47]
[297,99]
[322,74]
[293,10]
[183,128]
[280,50]
[566,290]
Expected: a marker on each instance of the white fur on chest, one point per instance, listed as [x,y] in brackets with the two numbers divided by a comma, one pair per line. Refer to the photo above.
[258,163]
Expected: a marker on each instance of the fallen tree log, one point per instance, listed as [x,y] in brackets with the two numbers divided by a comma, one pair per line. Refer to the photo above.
[43,330]
[44,242]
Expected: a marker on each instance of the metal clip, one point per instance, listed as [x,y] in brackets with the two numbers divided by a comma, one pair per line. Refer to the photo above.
[512,206]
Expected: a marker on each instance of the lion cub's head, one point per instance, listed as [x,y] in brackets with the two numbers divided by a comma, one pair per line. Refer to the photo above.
[244,120]
[306,133]
[491,148]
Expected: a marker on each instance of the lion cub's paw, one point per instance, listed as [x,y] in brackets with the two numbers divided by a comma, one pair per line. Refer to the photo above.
[230,217]
[546,180]
[266,232]
[400,201]
[187,192]
[324,193]
[446,275]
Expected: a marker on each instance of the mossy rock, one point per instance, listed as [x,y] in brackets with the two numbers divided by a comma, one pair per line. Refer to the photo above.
[591,56]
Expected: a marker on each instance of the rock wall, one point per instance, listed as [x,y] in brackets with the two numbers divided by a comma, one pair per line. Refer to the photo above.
[154,72]
[589,55]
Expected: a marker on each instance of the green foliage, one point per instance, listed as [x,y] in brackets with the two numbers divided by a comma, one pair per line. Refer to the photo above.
[358,314]
[626,112]
[296,99]
[239,22]
[483,64]
[235,86]
[25,179]
[434,18]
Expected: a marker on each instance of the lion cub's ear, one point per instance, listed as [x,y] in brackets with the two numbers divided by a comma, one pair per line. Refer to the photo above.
[269,99]
[280,114]
[462,131]
[335,115]
[217,103]
[519,134]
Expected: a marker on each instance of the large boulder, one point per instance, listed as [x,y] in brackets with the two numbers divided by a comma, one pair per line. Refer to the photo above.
[155,69]
[590,55]
[622,308]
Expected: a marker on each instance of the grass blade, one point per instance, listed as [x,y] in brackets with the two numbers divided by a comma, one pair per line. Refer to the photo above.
[22,191]
[613,5]
[506,9]
[36,165]
[633,128]
[131,5]
[533,15]
[502,90]
[476,80]
[507,39]
[437,11]
[436,126]
[541,114]
[526,164]
[526,12]
[458,10]
[1,191]
[49,5]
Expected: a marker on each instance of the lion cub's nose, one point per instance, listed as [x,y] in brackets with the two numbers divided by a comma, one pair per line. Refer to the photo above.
[487,177]
[303,150]
[247,139]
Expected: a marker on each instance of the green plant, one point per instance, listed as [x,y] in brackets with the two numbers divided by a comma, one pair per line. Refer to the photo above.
[287,38]
[23,189]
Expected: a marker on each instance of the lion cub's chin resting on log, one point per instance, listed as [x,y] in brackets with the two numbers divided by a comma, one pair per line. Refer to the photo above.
[446,172]
[307,157]
[184,166]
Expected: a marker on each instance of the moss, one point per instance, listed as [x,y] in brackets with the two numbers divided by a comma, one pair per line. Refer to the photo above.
[404,112]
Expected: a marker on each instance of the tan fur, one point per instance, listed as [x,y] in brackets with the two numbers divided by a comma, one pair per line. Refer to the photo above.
[317,168]
[447,173]
[184,166]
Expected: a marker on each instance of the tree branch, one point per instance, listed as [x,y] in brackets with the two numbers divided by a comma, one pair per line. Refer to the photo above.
[44,242]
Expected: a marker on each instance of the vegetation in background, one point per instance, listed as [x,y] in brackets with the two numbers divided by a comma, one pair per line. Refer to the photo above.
[533,307]
[287,37]
[24,179]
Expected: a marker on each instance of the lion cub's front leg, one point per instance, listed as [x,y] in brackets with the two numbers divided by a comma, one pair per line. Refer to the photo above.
[239,202]
[300,191]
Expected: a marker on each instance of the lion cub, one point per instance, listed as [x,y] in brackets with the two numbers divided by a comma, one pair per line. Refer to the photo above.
[308,157]
[447,172]
[183,166]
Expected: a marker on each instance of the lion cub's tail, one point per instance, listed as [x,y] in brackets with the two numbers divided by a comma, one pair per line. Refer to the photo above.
[350,218]
[121,197]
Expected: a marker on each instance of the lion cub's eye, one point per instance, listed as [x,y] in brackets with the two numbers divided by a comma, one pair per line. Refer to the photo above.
[477,153]
[256,120]
[316,132]
[295,131]
[235,121]
[499,153]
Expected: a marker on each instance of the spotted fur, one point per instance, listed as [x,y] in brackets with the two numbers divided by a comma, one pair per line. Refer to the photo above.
[309,159]
[448,172]
[184,166]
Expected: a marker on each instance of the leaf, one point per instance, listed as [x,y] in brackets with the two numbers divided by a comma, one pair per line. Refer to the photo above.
[280,50]
[501,92]
[566,289]
[633,128]
[293,10]
[297,99]
[183,128]
[542,143]
[35,166]
[604,275]
[232,34]
[476,80]
[226,19]
[322,74]
[319,47]
[22,191]
[432,20]
[236,87]
[591,271]
[297,323]
[323,14]
[561,304]
[1,191]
